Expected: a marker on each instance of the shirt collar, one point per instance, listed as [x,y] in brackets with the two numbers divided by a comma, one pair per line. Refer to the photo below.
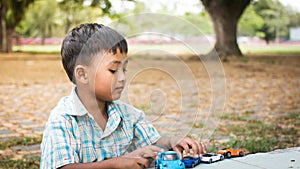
[80,110]
[115,117]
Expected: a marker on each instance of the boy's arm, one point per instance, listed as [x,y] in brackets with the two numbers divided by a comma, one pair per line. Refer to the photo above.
[113,163]
[180,144]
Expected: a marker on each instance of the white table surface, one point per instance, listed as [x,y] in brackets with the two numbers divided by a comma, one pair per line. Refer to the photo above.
[278,159]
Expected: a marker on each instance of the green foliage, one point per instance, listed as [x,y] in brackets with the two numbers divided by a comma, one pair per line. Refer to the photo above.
[15,12]
[202,21]
[39,21]
[250,22]
[76,12]
[275,19]
[43,23]
[294,17]
[268,19]
[140,7]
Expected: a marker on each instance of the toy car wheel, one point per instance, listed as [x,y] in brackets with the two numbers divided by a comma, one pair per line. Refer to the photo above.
[241,154]
[193,165]
[222,157]
[210,161]
[228,154]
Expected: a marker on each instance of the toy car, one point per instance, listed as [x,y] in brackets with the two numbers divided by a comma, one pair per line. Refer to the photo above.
[190,162]
[212,157]
[229,152]
[168,159]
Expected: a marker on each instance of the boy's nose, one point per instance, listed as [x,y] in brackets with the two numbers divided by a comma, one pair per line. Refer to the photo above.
[121,76]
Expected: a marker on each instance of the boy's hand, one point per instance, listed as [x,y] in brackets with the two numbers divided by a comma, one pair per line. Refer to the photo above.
[112,163]
[180,144]
[132,163]
[146,152]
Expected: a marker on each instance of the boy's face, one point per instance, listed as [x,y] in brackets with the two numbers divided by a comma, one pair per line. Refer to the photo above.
[108,75]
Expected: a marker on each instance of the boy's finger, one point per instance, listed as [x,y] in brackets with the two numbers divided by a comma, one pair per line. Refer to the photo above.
[156,148]
[179,151]
[193,145]
[148,153]
[151,151]
[196,148]
[185,146]
[143,162]
[203,148]
[199,148]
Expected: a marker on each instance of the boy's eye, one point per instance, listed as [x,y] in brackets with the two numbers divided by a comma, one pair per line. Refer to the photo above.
[124,70]
[113,71]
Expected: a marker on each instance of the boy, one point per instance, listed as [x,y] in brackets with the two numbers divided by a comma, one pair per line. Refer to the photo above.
[89,129]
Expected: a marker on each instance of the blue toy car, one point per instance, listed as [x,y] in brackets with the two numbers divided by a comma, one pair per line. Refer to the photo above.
[168,159]
[190,162]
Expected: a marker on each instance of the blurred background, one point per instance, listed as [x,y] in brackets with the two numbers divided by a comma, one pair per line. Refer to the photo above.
[258,43]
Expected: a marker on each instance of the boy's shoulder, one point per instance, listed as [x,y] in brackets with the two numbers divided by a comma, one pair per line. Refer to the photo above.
[68,108]
[128,111]
[62,110]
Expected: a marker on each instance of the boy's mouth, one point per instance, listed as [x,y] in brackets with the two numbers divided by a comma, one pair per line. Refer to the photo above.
[119,88]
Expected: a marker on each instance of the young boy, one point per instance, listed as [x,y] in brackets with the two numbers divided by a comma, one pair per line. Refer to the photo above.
[89,128]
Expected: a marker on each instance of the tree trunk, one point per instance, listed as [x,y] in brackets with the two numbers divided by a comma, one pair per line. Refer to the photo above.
[9,40]
[4,47]
[225,15]
[43,35]
[226,35]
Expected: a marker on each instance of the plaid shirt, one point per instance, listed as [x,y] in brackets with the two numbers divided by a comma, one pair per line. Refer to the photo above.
[73,136]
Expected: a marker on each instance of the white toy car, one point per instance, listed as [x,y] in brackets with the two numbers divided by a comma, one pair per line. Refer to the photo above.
[211,157]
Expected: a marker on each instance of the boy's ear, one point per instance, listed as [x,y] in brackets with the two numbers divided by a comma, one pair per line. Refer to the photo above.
[81,74]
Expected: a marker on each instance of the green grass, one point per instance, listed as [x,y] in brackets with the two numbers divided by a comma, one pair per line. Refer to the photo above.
[171,49]
[199,125]
[10,163]
[259,135]
[20,141]
[270,49]
[31,161]
[38,49]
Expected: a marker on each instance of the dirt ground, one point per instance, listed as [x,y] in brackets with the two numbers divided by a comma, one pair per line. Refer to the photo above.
[177,95]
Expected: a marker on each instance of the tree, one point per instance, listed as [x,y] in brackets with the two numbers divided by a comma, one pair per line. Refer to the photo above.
[73,8]
[250,22]
[39,21]
[12,12]
[275,17]
[201,21]
[294,17]
[43,23]
[225,15]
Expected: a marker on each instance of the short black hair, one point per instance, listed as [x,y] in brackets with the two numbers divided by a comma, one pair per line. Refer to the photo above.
[83,42]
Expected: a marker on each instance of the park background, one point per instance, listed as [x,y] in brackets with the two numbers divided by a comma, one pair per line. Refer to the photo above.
[262,110]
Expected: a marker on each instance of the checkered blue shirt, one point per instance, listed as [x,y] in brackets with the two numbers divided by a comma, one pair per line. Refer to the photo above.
[72,135]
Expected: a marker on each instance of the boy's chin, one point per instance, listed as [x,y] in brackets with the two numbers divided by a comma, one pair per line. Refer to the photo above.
[116,97]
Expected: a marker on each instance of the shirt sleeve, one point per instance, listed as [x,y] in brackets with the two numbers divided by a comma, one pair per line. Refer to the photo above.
[58,146]
[144,132]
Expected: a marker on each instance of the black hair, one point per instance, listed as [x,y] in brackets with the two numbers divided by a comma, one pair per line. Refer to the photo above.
[83,42]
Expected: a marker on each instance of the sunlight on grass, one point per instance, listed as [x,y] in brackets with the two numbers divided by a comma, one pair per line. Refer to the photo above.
[37,48]
[176,48]
[270,49]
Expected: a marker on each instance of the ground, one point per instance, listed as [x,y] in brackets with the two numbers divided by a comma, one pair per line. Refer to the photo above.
[261,109]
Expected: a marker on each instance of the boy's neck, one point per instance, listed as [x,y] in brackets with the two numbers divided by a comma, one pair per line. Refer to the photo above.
[94,107]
